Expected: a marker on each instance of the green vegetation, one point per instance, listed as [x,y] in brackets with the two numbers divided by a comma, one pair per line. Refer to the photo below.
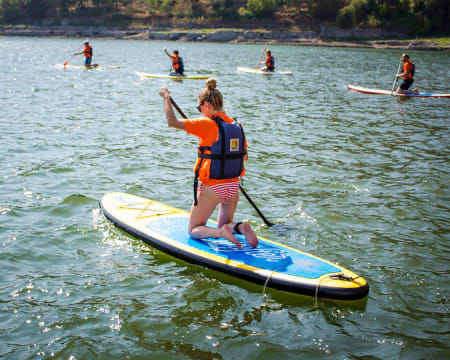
[418,17]
[443,41]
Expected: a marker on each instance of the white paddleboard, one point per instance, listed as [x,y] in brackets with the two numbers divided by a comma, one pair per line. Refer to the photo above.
[258,71]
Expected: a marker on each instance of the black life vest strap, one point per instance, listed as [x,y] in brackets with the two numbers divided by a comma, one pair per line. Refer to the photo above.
[197,171]
[220,157]
[244,150]
[195,189]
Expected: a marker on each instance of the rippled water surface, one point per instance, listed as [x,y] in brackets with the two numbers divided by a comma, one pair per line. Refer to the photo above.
[357,179]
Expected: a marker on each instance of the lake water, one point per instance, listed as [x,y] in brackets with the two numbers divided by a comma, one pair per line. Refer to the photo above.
[359,180]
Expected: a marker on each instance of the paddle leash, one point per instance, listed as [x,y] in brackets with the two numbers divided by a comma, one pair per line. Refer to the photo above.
[396,78]
[268,223]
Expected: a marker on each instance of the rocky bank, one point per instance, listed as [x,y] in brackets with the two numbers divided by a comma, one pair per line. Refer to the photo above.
[325,37]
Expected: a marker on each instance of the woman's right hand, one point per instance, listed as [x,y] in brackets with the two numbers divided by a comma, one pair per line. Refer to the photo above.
[164,92]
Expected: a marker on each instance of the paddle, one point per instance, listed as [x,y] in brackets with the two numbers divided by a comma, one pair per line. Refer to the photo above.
[171,66]
[268,223]
[75,53]
[262,55]
[396,78]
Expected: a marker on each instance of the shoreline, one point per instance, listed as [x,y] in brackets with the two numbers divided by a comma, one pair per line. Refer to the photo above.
[356,38]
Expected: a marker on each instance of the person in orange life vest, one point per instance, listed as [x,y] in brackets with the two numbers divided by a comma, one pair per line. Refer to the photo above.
[217,170]
[270,62]
[87,53]
[177,62]
[408,76]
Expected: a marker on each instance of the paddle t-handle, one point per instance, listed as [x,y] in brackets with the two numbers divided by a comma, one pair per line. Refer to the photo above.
[268,223]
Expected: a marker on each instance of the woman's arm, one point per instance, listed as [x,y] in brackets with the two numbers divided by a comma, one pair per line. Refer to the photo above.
[165,50]
[172,120]
[404,72]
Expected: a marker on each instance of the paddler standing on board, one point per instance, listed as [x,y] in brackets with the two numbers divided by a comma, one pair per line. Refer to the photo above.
[87,52]
[177,62]
[407,73]
[270,62]
[221,154]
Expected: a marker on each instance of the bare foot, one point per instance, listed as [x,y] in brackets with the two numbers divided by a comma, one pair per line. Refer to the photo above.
[226,231]
[249,234]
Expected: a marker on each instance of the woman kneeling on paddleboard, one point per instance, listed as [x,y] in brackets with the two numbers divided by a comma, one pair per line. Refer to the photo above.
[221,154]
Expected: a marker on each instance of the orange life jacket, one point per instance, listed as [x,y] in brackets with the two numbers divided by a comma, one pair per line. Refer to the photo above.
[270,62]
[87,50]
[408,66]
[175,62]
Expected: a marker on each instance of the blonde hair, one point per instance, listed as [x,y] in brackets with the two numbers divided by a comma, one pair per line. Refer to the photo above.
[211,94]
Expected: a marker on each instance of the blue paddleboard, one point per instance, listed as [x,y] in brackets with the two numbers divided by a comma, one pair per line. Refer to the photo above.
[270,263]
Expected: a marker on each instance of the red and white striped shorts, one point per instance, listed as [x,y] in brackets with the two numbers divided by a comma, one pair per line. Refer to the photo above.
[225,191]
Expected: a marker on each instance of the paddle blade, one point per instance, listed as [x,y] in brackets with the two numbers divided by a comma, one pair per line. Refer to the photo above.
[68,61]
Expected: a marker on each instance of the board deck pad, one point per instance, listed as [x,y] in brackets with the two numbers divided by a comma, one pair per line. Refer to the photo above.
[364,90]
[264,256]
[279,266]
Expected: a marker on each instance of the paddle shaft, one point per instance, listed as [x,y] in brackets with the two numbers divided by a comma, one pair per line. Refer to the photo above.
[395,80]
[178,108]
[72,55]
[69,60]
[262,55]
[268,223]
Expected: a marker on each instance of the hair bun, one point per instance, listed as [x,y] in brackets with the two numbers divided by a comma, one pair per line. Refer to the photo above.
[211,83]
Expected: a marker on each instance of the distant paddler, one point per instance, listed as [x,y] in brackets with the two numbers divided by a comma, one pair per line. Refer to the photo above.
[177,63]
[270,62]
[87,52]
[407,74]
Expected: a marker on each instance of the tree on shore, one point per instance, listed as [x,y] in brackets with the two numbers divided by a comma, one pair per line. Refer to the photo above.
[416,16]
[422,17]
